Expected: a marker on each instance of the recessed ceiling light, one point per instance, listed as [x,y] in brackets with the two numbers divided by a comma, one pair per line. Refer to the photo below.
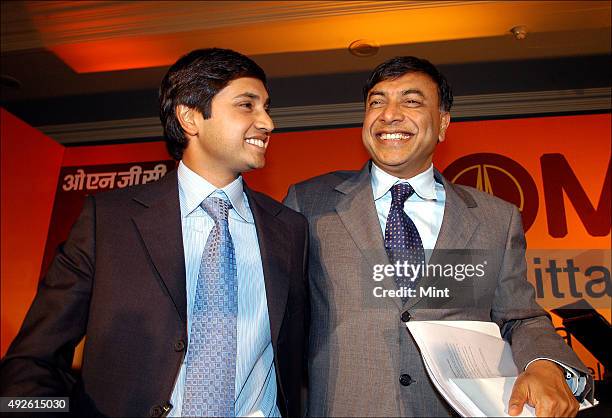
[363,48]
[519,32]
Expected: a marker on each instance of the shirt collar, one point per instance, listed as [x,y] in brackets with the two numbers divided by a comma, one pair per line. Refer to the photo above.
[424,184]
[194,189]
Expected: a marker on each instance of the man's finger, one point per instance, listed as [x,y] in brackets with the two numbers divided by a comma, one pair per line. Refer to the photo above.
[517,398]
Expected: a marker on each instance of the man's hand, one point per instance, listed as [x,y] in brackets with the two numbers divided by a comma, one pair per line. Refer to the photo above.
[542,385]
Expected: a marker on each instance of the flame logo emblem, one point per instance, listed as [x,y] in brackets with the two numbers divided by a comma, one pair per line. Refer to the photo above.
[500,176]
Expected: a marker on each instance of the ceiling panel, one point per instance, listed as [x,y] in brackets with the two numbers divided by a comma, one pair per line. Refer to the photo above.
[109,36]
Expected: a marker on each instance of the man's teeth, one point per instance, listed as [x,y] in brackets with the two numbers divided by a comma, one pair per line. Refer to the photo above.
[396,136]
[257,142]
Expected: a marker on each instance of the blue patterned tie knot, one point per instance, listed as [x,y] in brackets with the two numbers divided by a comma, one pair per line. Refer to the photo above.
[217,208]
[210,375]
[400,193]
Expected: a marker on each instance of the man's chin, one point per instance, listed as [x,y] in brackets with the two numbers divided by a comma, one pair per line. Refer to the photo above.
[255,165]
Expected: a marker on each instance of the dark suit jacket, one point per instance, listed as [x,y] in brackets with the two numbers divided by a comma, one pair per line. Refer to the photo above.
[362,359]
[120,279]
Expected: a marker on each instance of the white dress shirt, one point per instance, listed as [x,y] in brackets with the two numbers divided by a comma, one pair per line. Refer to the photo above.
[425,206]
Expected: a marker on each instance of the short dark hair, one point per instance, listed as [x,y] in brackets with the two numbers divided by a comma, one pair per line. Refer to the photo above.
[193,81]
[398,66]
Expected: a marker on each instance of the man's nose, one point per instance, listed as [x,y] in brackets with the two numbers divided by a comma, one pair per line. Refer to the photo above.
[392,113]
[264,122]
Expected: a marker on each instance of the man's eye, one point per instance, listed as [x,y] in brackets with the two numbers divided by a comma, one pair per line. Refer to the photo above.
[374,103]
[246,105]
[413,102]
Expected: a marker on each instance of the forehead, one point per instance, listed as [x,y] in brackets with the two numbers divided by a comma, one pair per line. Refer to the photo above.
[410,81]
[245,85]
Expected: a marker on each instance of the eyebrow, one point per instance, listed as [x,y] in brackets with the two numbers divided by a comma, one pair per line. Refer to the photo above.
[376,93]
[248,95]
[413,91]
[252,96]
[404,93]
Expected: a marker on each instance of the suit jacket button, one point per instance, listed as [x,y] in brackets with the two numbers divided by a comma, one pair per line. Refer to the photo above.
[406,316]
[406,380]
[155,411]
[179,345]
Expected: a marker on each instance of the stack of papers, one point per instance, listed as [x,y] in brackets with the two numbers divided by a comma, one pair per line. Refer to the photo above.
[470,365]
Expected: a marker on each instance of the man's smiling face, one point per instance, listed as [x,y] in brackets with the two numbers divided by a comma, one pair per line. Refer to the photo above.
[403,123]
[235,137]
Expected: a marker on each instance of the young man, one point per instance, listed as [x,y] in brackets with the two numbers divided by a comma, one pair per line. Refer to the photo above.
[191,291]
[362,359]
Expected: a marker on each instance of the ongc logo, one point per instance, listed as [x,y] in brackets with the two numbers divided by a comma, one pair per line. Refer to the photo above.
[499,176]
[508,180]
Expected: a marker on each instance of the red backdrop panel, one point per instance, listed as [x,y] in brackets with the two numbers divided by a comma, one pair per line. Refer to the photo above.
[30,165]
[296,156]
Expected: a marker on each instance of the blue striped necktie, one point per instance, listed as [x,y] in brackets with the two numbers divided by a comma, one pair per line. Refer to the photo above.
[402,240]
[211,357]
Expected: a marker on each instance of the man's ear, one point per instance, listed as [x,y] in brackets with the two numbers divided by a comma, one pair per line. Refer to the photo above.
[187,118]
[444,122]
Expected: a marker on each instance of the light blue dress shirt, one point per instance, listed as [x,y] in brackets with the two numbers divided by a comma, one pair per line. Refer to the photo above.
[255,372]
[426,209]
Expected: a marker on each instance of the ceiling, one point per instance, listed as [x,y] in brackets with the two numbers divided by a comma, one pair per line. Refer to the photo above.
[62,48]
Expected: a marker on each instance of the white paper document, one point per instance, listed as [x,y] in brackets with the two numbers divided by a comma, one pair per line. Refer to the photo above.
[470,365]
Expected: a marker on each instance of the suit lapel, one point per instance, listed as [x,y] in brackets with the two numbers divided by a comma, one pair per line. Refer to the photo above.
[458,226]
[357,212]
[275,255]
[458,223]
[159,225]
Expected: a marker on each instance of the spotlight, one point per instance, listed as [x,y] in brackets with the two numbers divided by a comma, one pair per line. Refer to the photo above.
[363,48]
[519,32]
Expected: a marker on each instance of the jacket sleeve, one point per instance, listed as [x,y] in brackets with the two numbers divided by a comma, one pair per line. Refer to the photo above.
[38,362]
[525,325]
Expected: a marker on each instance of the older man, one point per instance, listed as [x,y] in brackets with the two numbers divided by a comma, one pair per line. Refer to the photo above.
[396,209]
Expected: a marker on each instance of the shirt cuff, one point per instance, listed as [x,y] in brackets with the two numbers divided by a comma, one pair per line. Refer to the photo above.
[575,379]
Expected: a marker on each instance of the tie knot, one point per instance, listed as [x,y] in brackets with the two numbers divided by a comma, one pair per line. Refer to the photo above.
[400,192]
[217,208]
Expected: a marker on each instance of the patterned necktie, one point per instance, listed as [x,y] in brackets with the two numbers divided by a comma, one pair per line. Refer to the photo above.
[211,356]
[402,240]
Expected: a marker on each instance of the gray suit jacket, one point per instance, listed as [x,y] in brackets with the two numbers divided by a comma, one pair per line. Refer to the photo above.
[359,346]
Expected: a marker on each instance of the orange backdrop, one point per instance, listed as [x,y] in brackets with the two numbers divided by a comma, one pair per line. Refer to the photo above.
[546,165]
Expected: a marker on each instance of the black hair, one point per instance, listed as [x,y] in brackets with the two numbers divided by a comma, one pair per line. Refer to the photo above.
[193,81]
[398,66]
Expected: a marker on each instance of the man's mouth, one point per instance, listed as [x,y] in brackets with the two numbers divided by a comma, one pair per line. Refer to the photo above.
[260,142]
[394,136]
